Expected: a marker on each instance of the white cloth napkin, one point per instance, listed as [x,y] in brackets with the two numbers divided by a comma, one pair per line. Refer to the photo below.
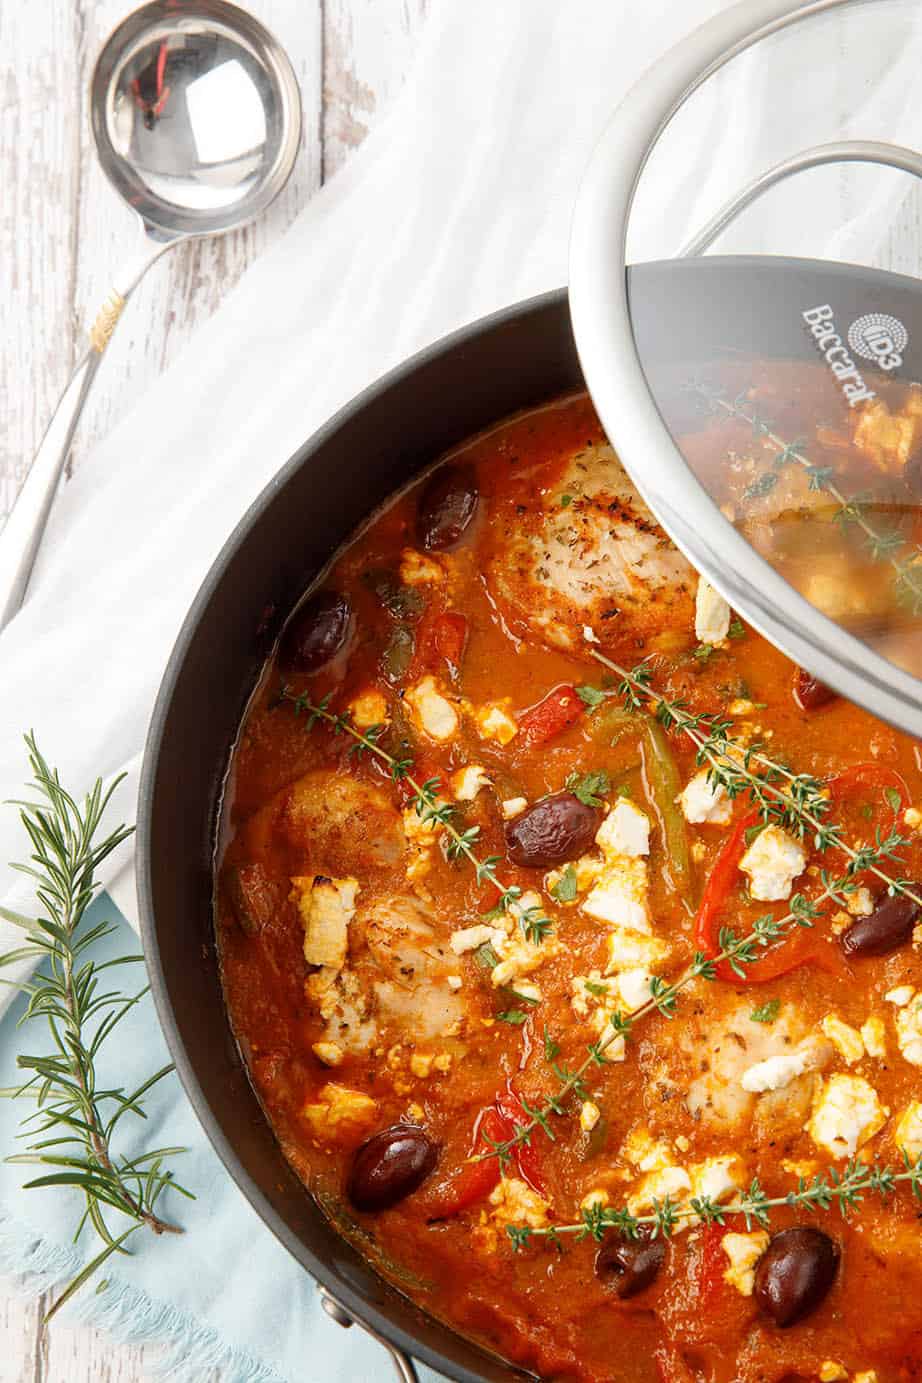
[458,204]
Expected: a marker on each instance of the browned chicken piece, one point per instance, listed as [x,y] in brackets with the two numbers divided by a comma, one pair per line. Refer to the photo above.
[599,561]
[890,439]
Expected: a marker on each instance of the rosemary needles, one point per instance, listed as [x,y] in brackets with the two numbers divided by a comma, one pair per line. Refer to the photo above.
[72,1127]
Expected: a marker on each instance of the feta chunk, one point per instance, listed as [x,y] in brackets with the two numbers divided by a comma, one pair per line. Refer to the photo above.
[513,807]
[716,1177]
[773,861]
[589,1116]
[847,1040]
[634,988]
[619,896]
[495,723]
[712,614]
[433,712]
[630,950]
[589,990]
[330,1053]
[702,801]
[469,938]
[908,1132]
[517,1204]
[326,907]
[744,1252]
[909,1030]
[367,709]
[645,1152]
[846,1114]
[775,1072]
[874,1036]
[340,1115]
[899,996]
[625,831]
[468,781]
[860,903]
[673,1182]
[416,569]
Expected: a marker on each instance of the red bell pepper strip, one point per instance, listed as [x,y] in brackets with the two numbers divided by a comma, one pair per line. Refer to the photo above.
[560,709]
[527,1157]
[798,947]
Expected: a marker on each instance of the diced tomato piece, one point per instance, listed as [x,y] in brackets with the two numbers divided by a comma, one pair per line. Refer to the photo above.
[442,639]
[560,709]
[474,1181]
[527,1155]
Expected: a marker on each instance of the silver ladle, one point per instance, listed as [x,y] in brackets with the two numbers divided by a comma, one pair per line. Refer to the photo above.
[196,115]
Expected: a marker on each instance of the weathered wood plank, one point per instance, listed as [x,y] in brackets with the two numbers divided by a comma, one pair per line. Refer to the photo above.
[22,1358]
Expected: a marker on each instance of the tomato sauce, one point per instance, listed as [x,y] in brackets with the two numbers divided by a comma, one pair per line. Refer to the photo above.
[489,607]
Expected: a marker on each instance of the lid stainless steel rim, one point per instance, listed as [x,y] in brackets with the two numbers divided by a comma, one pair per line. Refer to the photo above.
[611,364]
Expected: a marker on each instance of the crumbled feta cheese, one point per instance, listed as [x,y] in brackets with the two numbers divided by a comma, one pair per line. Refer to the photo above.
[874,1037]
[590,635]
[712,614]
[469,938]
[589,990]
[625,831]
[418,570]
[443,1062]
[645,1152]
[326,907]
[908,1132]
[512,807]
[847,1040]
[742,706]
[913,818]
[340,1115]
[899,996]
[702,801]
[421,1064]
[619,895]
[865,1376]
[330,1053]
[589,1116]
[775,1072]
[630,950]
[909,1030]
[467,782]
[367,709]
[525,989]
[495,723]
[846,1114]
[597,1196]
[716,1177]
[744,1252]
[860,903]
[773,861]
[517,1204]
[831,1371]
[434,714]
[634,988]
[609,1047]
[673,1182]
[454,982]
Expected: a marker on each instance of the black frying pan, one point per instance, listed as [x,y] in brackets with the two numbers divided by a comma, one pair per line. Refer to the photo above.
[690,311]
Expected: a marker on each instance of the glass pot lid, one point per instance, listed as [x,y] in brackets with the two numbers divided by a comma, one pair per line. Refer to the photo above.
[766,398]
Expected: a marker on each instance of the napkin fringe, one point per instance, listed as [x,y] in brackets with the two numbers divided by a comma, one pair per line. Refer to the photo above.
[186,1349]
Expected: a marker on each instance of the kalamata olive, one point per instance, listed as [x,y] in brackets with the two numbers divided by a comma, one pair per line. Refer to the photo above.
[446,506]
[389,1166]
[886,929]
[256,898]
[317,632]
[810,692]
[794,1275]
[554,830]
[629,1265]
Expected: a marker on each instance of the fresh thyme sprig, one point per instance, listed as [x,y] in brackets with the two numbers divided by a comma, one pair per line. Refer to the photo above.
[75,1119]
[844,1190]
[429,808]
[801,804]
[852,509]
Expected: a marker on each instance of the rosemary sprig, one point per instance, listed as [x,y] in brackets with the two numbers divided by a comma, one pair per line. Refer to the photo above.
[429,808]
[852,509]
[845,1190]
[73,1124]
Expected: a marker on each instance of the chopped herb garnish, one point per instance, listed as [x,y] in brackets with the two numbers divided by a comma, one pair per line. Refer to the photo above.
[565,888]
[737,629]
[486,957]
[565,501]
[515,1016]
[590,696]
[590,788]
[623,790]
[767,1012]
[551,1049]
[754,831]
[703,652]
[893,797]
[597,990]
[765,483]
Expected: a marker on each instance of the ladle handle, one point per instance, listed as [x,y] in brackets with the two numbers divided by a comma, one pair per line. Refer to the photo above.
[839,151]
[22,534]
[406,1369]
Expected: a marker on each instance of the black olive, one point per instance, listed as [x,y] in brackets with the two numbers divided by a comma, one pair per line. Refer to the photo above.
[389,1166]
[630,1265]
[446,506]
[556,829]
[794,1275]
[886,929]
[316,632]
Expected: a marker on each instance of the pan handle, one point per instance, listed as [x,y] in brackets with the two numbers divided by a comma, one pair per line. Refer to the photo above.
[406,1369]
[839,151]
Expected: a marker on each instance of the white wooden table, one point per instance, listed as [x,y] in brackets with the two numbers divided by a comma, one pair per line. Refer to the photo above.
[61,232]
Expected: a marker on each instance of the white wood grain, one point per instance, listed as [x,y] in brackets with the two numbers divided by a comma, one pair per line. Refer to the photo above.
[61,232]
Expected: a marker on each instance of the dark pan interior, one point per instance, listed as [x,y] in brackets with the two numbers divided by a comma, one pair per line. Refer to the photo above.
[518,358]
